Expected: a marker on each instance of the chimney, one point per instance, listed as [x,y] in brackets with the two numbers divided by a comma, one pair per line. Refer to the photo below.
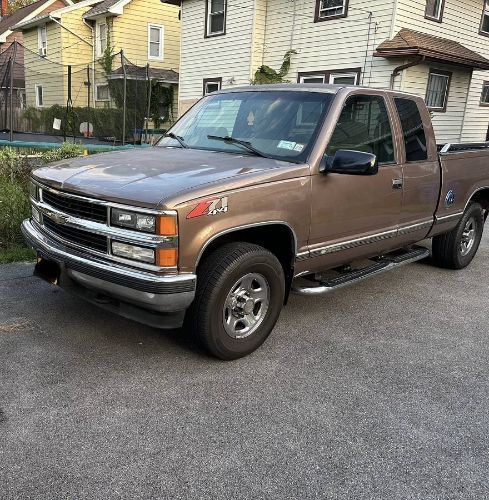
[3,12]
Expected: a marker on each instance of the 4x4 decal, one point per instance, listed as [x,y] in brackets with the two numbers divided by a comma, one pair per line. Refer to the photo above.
[210,207]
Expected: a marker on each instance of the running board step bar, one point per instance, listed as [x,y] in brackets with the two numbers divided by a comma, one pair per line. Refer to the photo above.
[382,264]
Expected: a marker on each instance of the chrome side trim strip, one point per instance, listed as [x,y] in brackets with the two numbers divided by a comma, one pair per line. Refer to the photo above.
[302,256]
[346,245]
[415,227]
[447,218]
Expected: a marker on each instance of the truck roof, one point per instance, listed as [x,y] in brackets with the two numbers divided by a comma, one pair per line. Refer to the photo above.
[325,88]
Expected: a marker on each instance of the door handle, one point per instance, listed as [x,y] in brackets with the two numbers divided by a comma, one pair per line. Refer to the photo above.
[397,183]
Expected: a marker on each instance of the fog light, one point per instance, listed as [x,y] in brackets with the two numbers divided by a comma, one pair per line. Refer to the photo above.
[36,215]
[133,252]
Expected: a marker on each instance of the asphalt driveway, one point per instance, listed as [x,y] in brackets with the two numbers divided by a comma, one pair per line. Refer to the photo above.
[379,391]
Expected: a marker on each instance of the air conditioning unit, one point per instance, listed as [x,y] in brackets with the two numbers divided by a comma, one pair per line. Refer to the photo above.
[42,51]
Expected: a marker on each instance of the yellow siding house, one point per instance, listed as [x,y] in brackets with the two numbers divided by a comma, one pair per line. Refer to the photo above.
[72,43]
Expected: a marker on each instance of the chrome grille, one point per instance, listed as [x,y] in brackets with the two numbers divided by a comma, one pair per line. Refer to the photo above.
[83,238]
[73,206]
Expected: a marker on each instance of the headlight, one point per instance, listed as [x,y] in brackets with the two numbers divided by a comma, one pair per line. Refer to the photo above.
[133,252]
[165,225]
[33,191]
[133,220]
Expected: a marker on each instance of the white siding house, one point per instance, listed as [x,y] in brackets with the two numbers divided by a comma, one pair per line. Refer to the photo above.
[358,42]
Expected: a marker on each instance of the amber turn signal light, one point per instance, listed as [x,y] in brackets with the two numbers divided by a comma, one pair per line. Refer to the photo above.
[167,225]
[166,257]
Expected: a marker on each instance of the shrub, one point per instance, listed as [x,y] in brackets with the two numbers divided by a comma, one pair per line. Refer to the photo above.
[67,150]
[14,200]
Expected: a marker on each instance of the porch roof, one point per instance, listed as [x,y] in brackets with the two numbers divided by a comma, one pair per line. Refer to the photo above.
[139,73]
[414,43]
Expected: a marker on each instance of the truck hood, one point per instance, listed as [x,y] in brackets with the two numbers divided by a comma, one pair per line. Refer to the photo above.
[151,177]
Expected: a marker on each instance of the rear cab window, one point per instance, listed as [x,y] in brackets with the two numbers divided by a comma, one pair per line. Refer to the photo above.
[412,129]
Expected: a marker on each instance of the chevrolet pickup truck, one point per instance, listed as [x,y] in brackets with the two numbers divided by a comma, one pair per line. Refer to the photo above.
[256,192]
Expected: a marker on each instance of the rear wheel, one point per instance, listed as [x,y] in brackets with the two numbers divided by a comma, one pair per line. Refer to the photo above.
[456,249]
[240,293]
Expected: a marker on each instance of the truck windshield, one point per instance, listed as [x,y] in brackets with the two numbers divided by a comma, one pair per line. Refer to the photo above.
[277,124]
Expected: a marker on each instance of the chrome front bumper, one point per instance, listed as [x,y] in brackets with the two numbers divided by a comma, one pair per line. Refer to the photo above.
[163,297]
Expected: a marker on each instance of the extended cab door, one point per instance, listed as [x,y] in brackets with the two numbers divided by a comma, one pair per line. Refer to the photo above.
[352,215]
[421,169]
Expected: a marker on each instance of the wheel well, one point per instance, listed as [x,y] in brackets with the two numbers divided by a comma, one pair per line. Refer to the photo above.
[482,197]
[277,238]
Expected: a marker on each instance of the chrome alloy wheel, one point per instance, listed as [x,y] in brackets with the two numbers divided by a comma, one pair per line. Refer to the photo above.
[468,237]
[246,305]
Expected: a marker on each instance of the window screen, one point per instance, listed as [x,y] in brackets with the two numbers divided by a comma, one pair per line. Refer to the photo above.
[412,129]
[437,90]
[364,126]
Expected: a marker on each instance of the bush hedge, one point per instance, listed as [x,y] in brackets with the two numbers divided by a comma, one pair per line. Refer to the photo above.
[14,192]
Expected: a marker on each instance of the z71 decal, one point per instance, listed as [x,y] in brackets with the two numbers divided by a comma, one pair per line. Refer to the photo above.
[210,207]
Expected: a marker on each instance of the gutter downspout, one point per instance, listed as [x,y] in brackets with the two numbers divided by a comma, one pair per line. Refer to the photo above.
[396,71]
[466,106]
[92,90]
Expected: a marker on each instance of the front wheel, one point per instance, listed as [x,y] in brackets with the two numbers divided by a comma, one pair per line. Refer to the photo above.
[240,293]
[456,249]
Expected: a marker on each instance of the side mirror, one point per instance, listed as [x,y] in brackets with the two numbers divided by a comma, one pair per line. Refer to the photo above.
[346,161]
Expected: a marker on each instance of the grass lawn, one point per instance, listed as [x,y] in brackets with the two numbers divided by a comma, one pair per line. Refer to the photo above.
[16,254]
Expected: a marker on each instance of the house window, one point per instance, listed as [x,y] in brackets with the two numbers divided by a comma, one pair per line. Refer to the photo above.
[484,29]
[39,95]
[344,78]
[212,85]
[312,79]
[101,34]
[434,10]
[102,92]
[350,76]
[330,9]
[42,39]
[485,94]
[155,41]
[215,17]
[437,90]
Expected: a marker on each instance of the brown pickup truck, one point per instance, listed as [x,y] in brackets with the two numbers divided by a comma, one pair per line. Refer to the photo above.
[255,192]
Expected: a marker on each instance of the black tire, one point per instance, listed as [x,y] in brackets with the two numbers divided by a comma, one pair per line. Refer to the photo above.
[216,278]
[447,249]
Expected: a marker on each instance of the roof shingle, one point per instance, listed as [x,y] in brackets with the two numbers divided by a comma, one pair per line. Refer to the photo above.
[410,42]
[19,15]
[100,8]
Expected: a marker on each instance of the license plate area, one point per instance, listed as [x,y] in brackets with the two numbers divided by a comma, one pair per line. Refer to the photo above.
[47,270]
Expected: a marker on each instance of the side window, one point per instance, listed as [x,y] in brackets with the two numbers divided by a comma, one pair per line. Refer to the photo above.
[364,126]
[412,129]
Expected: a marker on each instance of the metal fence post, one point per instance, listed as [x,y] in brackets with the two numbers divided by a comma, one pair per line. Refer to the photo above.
[148,79]
[12,71]
[124,104]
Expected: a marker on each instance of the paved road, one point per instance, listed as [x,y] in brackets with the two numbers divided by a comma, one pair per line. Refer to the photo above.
[379,391]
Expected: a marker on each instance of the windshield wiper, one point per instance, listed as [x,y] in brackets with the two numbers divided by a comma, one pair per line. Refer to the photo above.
[239,142]
[178,138]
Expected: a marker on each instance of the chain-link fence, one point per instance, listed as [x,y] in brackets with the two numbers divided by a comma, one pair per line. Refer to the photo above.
[110,100]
